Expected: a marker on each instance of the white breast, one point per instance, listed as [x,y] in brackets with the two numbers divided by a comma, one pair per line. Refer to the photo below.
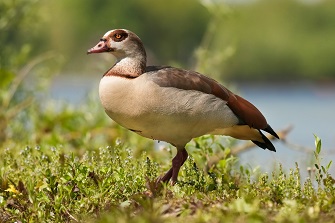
[166,114]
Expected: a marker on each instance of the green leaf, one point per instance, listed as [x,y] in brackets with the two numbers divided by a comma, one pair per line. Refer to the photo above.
[317,144]
[329,164]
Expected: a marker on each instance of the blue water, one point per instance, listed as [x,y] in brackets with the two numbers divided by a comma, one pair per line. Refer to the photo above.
[309,108]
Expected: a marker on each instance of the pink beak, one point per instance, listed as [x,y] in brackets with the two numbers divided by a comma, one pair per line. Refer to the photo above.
[99,48]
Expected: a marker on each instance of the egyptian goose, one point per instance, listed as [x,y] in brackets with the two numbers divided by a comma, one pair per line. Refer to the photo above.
[172,104]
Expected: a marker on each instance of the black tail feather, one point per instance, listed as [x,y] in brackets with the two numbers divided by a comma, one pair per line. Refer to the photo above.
[271,131]
[266,144]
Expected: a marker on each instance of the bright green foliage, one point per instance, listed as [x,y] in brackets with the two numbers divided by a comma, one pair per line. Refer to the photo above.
[110,184]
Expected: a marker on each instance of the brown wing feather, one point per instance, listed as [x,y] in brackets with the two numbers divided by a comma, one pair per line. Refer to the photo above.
[190,80]
[247,112]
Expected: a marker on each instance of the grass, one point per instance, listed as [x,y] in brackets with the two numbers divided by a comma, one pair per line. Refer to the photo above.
[112,184]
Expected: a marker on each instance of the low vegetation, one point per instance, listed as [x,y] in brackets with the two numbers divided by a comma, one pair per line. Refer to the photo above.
[113,184]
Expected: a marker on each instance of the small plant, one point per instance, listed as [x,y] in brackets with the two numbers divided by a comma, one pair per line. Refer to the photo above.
[321,171]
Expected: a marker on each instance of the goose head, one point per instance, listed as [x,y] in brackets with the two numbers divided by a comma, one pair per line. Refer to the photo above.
[125,45]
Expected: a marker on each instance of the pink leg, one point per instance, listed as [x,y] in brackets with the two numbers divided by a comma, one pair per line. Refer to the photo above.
[177,162]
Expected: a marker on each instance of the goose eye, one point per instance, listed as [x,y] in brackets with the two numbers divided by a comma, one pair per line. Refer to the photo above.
[118,36]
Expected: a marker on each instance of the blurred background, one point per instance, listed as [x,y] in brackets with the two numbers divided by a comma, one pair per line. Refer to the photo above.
[278,54]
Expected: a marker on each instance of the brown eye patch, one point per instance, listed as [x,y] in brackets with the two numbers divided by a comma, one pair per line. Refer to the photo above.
[119,35]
